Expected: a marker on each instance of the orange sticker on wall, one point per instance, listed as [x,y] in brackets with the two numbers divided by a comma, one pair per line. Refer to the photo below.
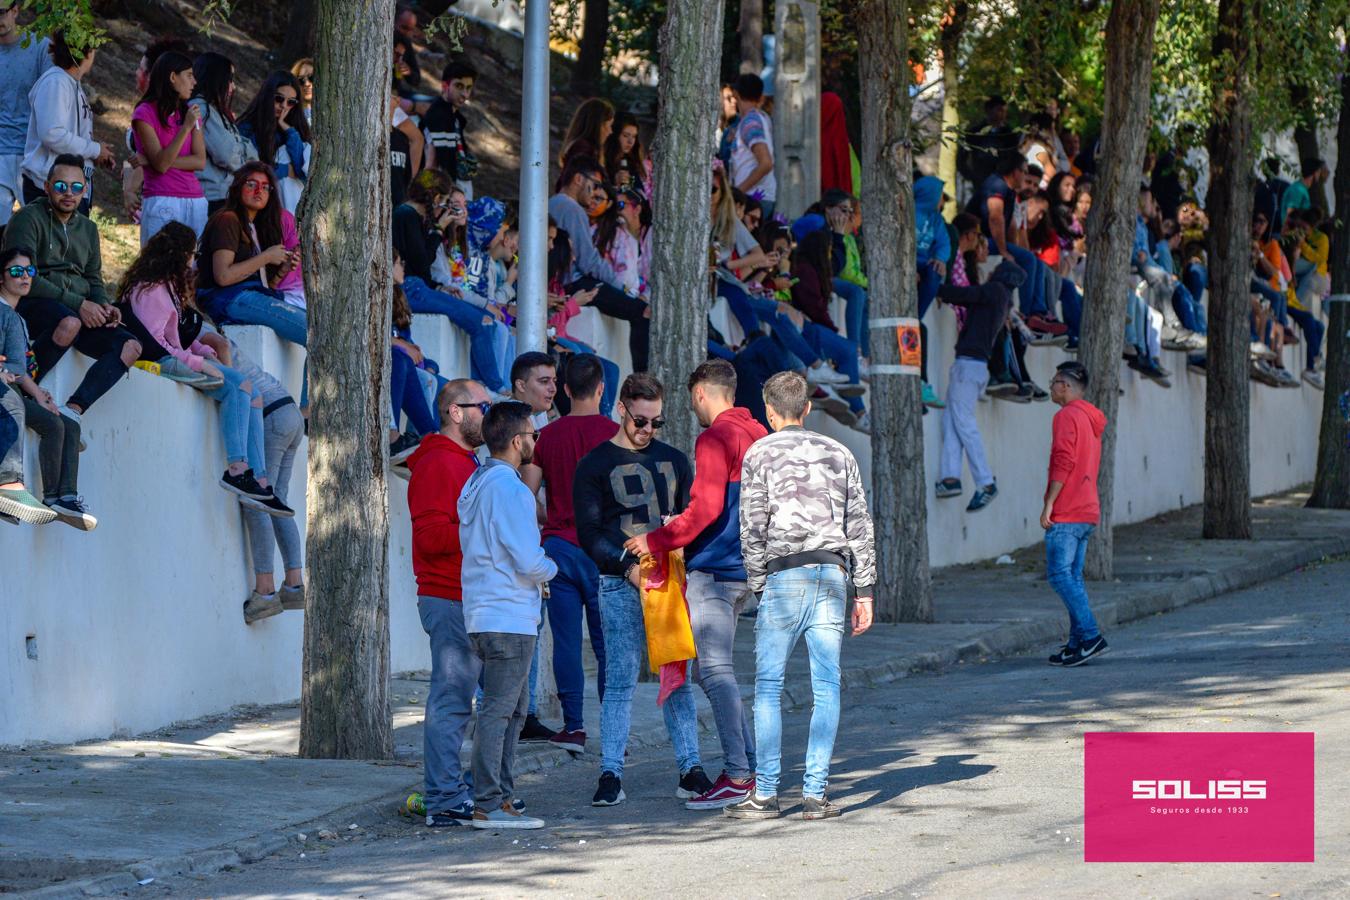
[910,340]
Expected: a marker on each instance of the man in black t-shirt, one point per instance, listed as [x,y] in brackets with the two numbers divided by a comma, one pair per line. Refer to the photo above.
[625,487]
[443,126]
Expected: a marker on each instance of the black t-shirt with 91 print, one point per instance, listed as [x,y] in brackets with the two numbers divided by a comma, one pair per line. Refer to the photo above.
[619,493]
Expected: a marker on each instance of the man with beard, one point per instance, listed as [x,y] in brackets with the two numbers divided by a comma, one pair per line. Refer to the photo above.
[623,488]
[441,465]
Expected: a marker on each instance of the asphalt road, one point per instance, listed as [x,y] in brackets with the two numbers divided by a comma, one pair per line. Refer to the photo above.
[962,784]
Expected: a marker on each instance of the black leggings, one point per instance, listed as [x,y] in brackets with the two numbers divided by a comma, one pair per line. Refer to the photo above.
[616,304]
[58,449]
[104,345]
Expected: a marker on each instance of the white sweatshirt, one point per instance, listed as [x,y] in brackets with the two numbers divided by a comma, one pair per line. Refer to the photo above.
[61,122]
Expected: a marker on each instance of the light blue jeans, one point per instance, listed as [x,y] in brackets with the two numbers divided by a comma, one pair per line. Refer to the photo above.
[856,312]
[1065,549]
[282,433]
[241,422]
[809,602]
[625,636]
[257,308]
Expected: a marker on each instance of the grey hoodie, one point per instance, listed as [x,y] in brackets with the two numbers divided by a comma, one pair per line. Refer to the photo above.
[226,151]
[504,565]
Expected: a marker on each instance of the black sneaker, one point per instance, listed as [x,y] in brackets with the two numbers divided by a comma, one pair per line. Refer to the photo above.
[818,808]
[452,817]
[983,497]
[274,507]
[1038,393]
[72,511]
[754,807]
[610,791]
[1094,647]
[245,485]
[949,487]
[535,732]
[403,448]
[1020,393]
[998,386]
[1063,653]
[694,783]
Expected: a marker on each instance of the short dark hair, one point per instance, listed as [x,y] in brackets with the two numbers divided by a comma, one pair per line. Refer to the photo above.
[1312,165]
[60,52]
[428,185]
[834,197]
[641,386]
[716,372]
[503,422]
[9,254]
[65,159]
[584,375]
[1074,371]
[1010,162]
[458,69]
[749,85]
[787,394]
[531,359]
[579,165]
[965,223]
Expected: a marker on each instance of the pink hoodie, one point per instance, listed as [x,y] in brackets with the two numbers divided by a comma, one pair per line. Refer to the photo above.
[154,306]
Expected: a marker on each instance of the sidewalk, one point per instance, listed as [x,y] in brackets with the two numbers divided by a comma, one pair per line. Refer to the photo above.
[97,817]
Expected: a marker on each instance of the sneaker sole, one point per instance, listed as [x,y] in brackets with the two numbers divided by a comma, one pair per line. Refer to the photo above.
[1078,662]
[949,495]
[506,825]
[25,513]
[570,748]
[76,521]
[250,618]
[453,823]
[751,813]
[816,816]
[238,492]
[850,390]
[713,804]
[622,797]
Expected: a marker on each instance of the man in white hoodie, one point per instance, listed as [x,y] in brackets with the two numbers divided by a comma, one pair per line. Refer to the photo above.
[502,575]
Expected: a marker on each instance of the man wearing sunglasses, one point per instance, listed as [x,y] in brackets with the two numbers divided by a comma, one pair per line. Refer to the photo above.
[69,304]
[623,488]
[709,532]
[440,467]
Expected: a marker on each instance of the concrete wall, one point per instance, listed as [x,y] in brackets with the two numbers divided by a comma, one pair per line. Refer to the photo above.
[138,624]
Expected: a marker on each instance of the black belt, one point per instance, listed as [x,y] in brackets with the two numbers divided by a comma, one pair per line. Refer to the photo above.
[276,405]
[806,558]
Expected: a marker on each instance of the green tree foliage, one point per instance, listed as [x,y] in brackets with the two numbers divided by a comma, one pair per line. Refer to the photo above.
[75,17]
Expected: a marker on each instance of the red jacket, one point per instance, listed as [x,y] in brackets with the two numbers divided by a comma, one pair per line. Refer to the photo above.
[1075,457]
[439,469]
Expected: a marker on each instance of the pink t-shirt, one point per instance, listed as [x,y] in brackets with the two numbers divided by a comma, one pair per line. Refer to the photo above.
[290,239]
[175,182]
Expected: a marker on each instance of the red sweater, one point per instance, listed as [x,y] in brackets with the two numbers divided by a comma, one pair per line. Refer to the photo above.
[812,297]
[1075,457]
[439,469]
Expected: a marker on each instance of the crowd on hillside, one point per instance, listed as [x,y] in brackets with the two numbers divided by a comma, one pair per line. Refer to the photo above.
[214,190]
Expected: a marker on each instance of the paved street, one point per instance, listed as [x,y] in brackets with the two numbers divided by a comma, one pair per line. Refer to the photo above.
[962,783]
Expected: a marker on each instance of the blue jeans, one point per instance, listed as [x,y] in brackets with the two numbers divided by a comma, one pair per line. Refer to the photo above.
[1065,549]
[241,422]
[406,396]
[754,365]
[1196,279]
[809,602]
[929,282]
[1313,332]
[840,350]
[454,676]
[625,637]
[469,319]
[1189,310]
[856,310]
[257,308]
[1031,293]
[574,591]
[1071,304]
[751,311]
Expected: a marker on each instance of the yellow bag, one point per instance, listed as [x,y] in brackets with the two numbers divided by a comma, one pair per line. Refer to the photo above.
[670,637]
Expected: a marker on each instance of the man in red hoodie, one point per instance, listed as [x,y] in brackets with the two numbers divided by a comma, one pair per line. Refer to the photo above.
[1072,508]
[441,465]
[709,530]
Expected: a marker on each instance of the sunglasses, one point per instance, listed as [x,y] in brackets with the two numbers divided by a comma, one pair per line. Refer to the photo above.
[282,98]
[20,271]
[532,435]
[641,422]
[481,407]
[258,187]
[305,79]
[68,187]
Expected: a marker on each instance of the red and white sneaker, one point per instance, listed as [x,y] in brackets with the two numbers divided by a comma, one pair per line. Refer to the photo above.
[573,742]
[724,792]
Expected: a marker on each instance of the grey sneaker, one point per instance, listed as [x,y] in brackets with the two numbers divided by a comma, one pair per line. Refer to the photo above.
[504,817]
[260,606]
[754,807]
[21,505]
[818,808]
[176,370]
[292,597]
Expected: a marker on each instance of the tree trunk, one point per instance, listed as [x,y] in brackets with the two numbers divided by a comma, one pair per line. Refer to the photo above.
[690,44]
[1110,235]
[904,591]
[752,36]
[952,30]
[1331,489]
[1305,138]
[1228,513]
[299,41]
[344,220]
[591,53]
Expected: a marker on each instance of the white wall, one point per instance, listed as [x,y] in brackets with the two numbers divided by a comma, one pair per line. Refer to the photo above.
[139,624]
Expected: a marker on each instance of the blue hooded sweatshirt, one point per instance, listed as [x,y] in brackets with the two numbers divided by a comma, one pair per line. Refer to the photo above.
[930,230]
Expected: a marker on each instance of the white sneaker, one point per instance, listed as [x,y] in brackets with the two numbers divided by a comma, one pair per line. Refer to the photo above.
[1261,351]
[823,374]
[864,424]
[864,368]
[504,818]
[1315,378]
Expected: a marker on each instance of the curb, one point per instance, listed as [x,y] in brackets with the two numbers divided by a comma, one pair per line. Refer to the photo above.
[1000,641]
